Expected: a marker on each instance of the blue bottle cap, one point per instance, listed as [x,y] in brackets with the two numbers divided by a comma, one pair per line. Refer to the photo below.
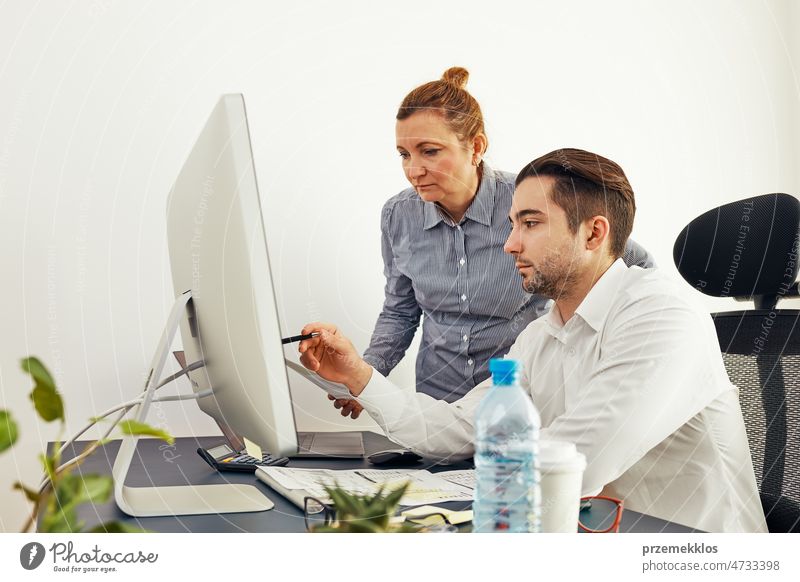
[504,371]
[503,366]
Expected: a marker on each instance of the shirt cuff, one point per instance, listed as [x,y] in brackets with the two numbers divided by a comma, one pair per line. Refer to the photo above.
[382,400]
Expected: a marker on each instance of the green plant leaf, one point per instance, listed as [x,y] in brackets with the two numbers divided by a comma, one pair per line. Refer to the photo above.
[45,397]
[116,527]
[8,430]
[67,489]
[58,519]
[73,490]
[356,513]
[96,488]
[345,502]
[134,427]
[393,499]
[32,496]
[49,465]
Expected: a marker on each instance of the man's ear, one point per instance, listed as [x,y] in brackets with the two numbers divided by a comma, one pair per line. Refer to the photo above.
[597,232]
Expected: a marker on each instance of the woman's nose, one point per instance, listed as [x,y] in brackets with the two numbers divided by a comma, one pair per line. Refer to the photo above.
[415,170]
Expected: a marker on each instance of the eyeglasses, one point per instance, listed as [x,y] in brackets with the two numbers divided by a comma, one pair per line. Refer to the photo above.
[316,513]
[600,514]
[433,522]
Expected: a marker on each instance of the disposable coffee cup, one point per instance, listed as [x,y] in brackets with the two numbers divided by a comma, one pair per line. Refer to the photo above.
[561,469]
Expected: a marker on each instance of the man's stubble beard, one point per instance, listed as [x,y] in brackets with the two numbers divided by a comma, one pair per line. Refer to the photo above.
[555,276]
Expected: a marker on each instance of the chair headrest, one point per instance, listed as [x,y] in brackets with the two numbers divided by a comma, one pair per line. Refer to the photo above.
[742,249]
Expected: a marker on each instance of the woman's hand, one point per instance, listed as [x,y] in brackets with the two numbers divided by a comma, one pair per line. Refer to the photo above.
[349,407]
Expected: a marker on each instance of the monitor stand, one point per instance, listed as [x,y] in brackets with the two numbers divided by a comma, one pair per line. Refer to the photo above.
[180,499]
[234,442]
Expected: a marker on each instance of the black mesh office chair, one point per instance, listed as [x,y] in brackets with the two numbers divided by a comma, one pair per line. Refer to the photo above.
[749,250]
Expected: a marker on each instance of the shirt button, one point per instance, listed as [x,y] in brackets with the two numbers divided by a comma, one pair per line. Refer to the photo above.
[461,262]
[572,351]
[469,362]
[465,337]
[463,298]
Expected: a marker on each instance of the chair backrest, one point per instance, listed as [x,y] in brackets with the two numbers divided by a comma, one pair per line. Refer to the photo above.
[749,249]
[761,349]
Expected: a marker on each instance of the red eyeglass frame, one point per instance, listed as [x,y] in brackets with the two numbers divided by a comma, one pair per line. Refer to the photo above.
[614,527]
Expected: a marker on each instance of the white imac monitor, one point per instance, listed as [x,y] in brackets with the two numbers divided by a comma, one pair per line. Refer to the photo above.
[225,309]
[218,252]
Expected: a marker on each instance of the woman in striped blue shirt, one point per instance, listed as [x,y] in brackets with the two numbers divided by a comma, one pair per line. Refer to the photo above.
[442,245]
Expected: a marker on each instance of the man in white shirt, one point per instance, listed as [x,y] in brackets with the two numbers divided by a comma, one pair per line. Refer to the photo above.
[625,365]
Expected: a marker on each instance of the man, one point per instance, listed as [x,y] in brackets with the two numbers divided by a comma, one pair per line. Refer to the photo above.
[625,365]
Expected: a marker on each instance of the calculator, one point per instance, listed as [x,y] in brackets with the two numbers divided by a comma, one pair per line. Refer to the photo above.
[224,458]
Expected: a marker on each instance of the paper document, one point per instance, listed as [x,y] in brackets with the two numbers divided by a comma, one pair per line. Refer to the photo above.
[465,478]
[425,487]
[332,388]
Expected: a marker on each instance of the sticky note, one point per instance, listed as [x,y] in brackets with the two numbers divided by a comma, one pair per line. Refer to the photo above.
[252,449]
[419,515]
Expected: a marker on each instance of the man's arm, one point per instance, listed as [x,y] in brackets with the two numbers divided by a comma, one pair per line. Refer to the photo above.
[432,427]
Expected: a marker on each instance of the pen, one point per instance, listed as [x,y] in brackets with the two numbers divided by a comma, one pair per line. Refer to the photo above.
[298,338]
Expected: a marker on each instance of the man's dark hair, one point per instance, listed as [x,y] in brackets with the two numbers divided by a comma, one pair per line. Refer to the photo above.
[588,185]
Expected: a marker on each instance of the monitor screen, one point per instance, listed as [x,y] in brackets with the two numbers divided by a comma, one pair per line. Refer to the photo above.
[218,251]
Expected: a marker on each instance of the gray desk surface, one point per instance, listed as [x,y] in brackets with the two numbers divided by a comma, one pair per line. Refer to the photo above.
[157,463]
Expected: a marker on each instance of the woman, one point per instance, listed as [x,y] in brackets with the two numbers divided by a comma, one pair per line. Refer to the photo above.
[442,244]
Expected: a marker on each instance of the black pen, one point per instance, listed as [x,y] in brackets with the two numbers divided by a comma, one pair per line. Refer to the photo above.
[299,338]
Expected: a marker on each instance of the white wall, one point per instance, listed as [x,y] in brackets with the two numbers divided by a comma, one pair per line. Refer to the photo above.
[102,100]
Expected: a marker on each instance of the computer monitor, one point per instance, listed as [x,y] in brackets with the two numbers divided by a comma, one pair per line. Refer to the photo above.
[226,311]
[218,252]
[225,308]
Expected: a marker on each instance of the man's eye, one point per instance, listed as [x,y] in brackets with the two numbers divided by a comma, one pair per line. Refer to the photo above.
[530,223]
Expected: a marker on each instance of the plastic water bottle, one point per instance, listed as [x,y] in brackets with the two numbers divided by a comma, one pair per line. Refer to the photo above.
[507,495]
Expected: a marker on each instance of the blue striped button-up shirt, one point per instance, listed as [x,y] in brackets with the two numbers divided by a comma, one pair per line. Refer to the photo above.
[458,276]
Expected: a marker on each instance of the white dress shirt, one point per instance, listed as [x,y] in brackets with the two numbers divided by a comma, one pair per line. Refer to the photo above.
[636,380]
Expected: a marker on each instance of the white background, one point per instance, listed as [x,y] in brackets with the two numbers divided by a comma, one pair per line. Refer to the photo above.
[443,557]
[100,102]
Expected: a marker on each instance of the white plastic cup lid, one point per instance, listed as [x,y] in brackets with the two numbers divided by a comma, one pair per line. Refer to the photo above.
[560,457]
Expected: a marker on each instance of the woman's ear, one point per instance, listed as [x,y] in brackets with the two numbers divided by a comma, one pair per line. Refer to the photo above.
[479,145]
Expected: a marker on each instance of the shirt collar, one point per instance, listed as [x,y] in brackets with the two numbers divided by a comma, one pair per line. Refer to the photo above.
[479,211]
[595,306]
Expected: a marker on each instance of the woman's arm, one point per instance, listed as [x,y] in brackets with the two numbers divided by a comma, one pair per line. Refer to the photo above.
[400,316]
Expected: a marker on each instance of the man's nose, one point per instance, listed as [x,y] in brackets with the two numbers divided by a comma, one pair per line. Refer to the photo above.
[512,245]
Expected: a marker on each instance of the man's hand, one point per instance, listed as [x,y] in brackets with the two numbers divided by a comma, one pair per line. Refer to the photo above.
[349,407]
[333,357]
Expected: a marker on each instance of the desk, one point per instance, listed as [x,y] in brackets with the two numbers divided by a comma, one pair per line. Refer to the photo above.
[179,464]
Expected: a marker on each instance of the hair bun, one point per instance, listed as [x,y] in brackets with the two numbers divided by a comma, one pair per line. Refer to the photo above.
[456,76]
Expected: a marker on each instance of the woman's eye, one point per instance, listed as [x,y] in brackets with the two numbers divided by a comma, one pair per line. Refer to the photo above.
[404,155]
[431,152]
